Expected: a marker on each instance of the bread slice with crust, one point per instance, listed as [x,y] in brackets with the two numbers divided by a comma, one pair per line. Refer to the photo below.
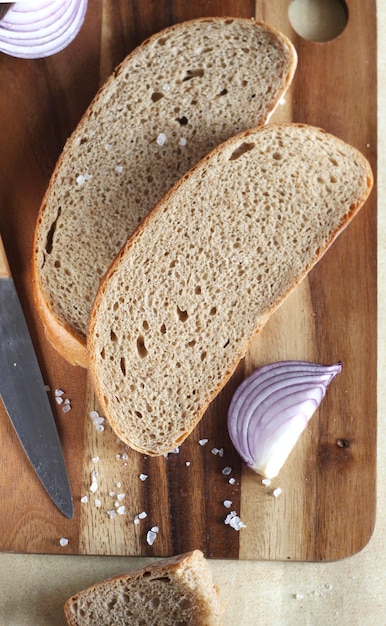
[172,100]
[207,267]
[178,590]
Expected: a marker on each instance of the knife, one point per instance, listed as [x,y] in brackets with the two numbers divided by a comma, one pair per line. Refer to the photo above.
[24,396]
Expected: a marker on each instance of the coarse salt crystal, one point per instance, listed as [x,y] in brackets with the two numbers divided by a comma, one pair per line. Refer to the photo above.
[276,492]
[95,459]
[234,521]
[226,471]
[112,494]
[136,520]
[112,514]
[232,481]
[166,87]
[117,456]
[118,484]
[143,477]
[66,407]
[187,463]
[227,503]
[58,392]
[97,503]
[94,415]
[99,428]
[107,147]
[174,451]
[81,179]
[63,541]
[142,515]
[266,482]
[155,529]
[59,400]
[119,169]
[151,537]
[120,497]
[121,510]
[84,499]
[125,456]
[161,139]
[94,482]
[298,596]
[203,442]
[182,141]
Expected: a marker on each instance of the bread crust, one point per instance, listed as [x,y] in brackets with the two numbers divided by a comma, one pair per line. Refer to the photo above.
[223,148]
[64,337]
[194,560]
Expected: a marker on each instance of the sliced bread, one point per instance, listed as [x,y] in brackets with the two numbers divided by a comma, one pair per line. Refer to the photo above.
[171,101]
[207,267]
[178,590]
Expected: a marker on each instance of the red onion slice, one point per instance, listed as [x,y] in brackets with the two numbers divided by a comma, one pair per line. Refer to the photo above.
[272,407]
[33,30]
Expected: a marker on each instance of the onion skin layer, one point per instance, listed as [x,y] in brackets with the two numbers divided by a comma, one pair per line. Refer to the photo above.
[272,407]
[38,29]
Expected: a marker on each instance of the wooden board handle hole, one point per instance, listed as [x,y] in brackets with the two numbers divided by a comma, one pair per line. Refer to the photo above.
[318,20]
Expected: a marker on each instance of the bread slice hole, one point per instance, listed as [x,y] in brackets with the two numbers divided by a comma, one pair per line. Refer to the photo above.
[199,72]
[242,149]
[141,348]
[51,233]
[182,315]
[156,96]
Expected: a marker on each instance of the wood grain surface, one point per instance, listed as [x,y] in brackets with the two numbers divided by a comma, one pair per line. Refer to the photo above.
[326,509]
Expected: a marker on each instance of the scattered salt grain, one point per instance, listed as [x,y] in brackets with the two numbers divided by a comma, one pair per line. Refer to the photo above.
[182,141]
[298,596]
[120,497]
[227,504]
[95,459]
[203,442]
[99,428]
[82,178]
[63,541]
[266,482]
[119,169]
[112,514]
[58,392]
[174,451]
[107,147]
[125,456]
[142,515]
[226,471]
[84,499]
[161,139]
[276,492]
[187,463]
[97,503]
[232,481]
[234,521]
[119,485]
[152,535]
[66,407]
[94,483]
[58,400]
[121,510]
[166,87]
[143,477]
[112,494]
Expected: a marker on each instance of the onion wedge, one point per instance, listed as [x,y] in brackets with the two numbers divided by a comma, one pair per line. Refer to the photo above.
[38,29]
[272,407]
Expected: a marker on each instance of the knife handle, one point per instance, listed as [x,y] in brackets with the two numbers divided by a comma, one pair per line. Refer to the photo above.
[5,271]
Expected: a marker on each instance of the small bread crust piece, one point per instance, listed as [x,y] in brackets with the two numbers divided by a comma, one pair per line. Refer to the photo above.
[175,590]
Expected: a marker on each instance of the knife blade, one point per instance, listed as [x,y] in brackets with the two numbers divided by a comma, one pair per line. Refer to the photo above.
[24,396]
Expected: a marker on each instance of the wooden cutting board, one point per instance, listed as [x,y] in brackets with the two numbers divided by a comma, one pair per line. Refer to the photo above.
[326,509]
